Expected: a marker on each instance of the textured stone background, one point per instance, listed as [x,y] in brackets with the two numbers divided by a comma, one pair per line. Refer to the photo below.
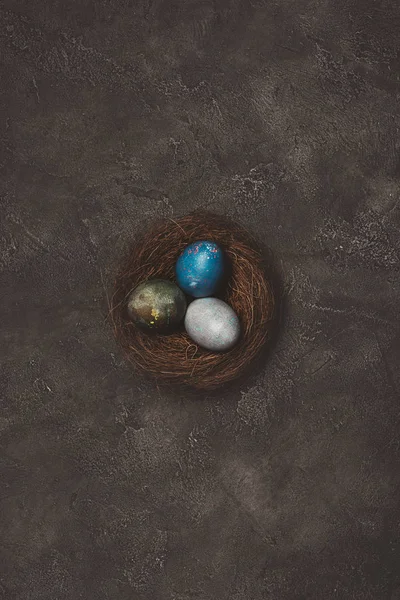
[283,115]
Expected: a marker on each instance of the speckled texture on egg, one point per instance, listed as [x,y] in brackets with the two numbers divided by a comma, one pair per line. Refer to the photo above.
[200,268]
[157,305]
[212,324]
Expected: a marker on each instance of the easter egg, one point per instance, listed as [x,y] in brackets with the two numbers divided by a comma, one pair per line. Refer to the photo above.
[212,324]
[157,305]
[200,269]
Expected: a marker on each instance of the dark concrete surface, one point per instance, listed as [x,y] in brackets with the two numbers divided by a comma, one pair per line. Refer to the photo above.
[285,116]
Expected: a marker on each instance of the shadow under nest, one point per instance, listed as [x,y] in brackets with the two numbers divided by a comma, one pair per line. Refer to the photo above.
[175,359]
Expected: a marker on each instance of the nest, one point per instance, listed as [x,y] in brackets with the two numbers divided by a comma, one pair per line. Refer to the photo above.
[174,358]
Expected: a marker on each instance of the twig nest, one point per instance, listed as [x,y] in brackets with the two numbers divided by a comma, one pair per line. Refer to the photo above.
[175,358]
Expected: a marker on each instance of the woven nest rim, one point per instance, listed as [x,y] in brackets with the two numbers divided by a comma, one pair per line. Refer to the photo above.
[175,358]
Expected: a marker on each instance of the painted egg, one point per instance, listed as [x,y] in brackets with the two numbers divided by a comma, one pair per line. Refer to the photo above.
[157,305]
[212,324]
[200,269]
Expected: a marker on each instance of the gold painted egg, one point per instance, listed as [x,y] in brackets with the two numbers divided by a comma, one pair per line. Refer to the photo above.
[157,305]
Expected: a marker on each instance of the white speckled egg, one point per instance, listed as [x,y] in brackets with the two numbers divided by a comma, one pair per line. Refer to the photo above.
[212,324]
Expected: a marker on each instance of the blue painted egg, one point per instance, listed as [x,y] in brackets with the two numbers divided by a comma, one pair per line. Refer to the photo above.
[200,269]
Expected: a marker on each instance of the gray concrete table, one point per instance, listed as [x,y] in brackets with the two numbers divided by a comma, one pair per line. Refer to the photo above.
[284,116]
